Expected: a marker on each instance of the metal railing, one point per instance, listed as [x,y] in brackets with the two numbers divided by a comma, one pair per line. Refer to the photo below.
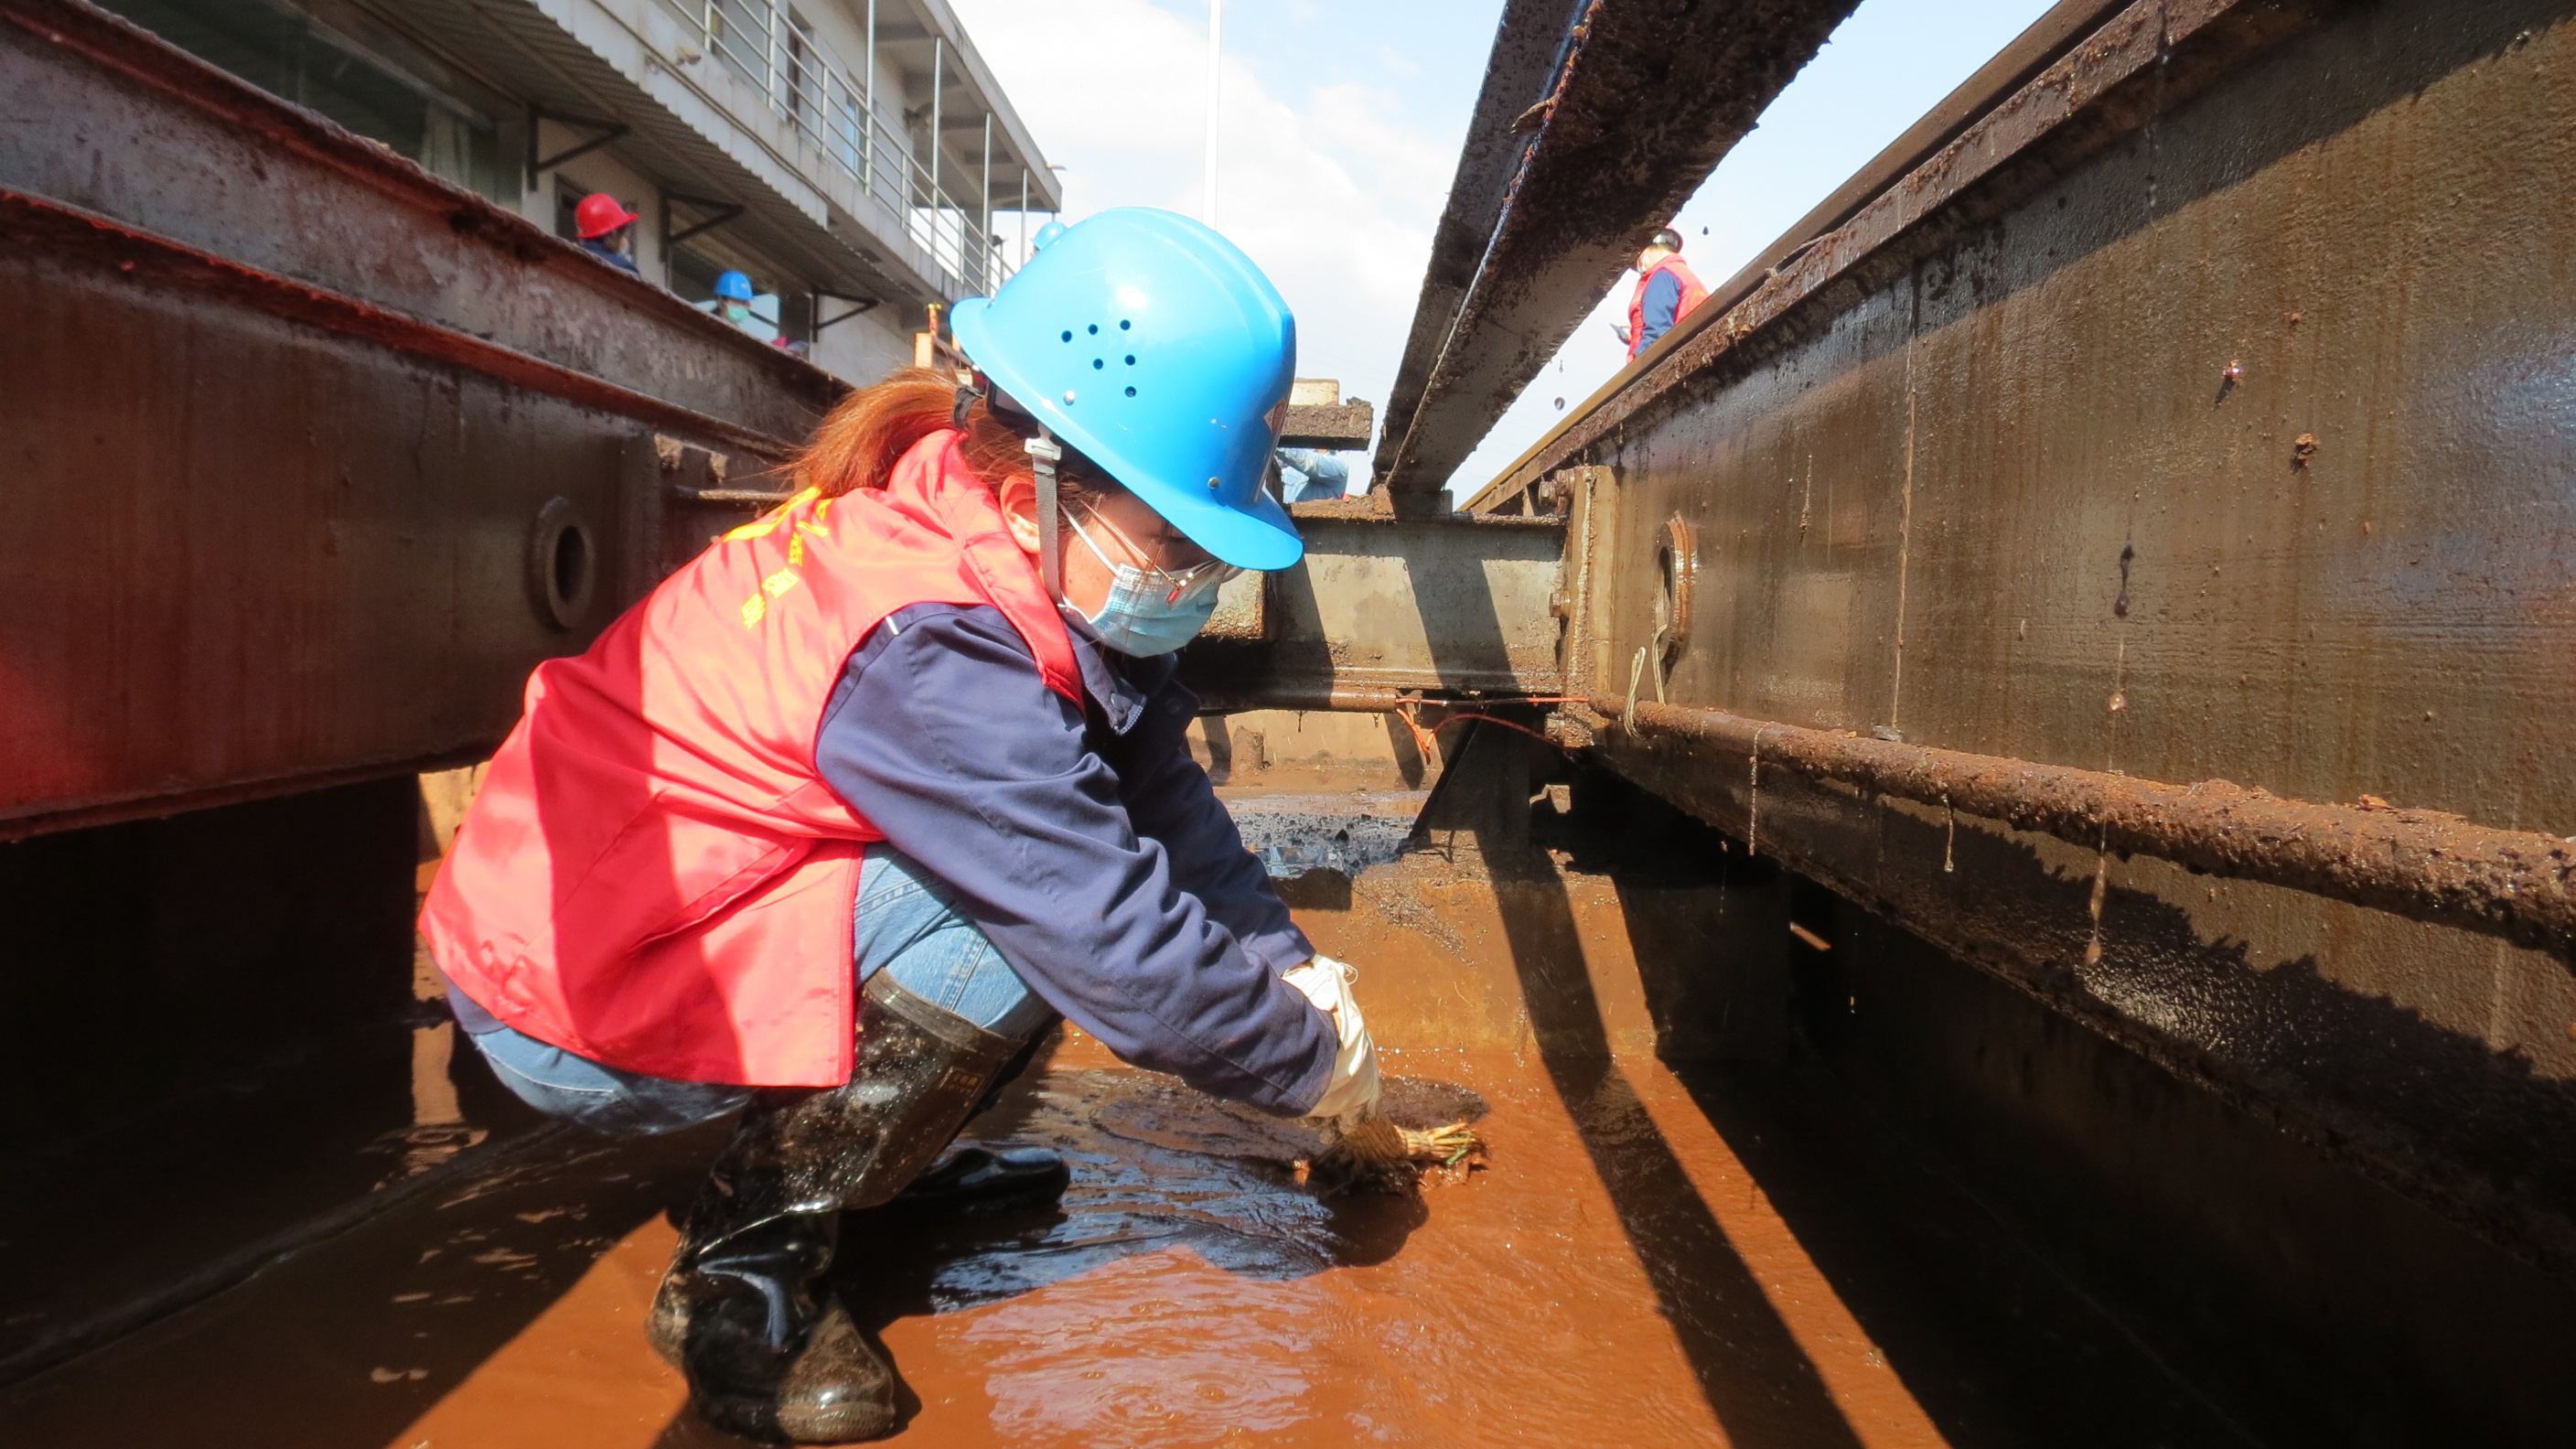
[775,52]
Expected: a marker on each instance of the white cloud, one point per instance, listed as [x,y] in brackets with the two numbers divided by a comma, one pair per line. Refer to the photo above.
[1328,191]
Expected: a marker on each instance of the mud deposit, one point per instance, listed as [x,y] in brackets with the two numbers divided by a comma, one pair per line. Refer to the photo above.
[1729,1253]
[1294,834]
[1188,1291]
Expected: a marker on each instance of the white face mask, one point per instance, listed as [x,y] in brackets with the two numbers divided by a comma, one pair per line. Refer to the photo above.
[1152,611]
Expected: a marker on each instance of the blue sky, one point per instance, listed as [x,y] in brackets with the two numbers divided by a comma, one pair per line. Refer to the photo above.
[1342,121]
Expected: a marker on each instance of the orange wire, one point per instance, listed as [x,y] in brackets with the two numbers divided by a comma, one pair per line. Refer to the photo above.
[1427,740]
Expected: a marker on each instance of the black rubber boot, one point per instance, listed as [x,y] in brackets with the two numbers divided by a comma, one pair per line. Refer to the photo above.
[767,1351]
[971,1180]
[976,1181]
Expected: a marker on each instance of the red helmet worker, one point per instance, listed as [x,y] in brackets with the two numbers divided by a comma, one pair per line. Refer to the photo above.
[831,827]
[607,229]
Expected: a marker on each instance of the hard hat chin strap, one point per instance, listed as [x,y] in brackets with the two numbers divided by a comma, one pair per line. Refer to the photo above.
[1043,456]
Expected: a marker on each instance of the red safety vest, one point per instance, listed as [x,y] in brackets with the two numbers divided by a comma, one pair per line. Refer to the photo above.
[654,875]
[1692,295]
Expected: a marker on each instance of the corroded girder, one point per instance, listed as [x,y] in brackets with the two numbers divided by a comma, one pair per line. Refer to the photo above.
[2426,865]
[1596,122]
[313,455]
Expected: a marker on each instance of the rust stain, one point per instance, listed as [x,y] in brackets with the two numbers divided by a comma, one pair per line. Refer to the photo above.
[2426,865]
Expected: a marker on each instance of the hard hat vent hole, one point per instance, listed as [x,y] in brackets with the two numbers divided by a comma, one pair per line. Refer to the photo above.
[1131,359]
[1131,392]
[1095,329]
[1123,325]
[1068,336]
[1097,364]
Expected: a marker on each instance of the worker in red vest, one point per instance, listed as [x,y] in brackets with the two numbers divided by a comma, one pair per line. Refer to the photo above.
[607,229]
[831,827]
[1666,292]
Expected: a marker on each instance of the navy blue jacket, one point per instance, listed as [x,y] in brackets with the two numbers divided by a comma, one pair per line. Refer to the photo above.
[611,255]
[1655,314]
[1085,843]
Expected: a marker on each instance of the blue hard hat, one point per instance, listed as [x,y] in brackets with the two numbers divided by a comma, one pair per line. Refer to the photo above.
[734,287]
[1159,350]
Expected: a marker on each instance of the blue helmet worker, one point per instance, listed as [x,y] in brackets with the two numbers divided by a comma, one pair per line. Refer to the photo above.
[925,790]
[733,298]
[1320,476]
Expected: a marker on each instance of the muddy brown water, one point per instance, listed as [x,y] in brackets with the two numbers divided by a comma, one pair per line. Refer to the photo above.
[1714,1254]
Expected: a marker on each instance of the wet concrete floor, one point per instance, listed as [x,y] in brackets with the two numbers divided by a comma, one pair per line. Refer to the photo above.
[1716,1254]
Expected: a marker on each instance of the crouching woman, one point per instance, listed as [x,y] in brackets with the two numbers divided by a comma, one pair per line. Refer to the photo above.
[833,825]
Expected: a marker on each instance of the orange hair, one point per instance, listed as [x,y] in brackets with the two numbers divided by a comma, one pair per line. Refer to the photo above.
[863,437]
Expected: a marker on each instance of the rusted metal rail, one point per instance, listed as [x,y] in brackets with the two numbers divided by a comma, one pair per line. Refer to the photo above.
[2046,42]
[109,119]
[2422,864]
[2183,402]
[2088,97]
[313,455]
[1383,610]
[42,226]
[1594,125]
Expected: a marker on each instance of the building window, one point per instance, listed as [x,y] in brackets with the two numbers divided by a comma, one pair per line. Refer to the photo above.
[356,72]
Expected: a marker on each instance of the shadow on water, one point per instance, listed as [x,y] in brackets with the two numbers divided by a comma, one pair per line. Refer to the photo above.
[1997,1344]
[1761,1385]
[351,1339]
[2091,1248]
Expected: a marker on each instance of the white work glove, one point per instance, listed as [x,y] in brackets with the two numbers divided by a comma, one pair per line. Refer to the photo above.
[1350,1093]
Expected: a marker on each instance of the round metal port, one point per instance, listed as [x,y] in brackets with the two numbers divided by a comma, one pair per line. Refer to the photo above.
[1677,571]
[563,564]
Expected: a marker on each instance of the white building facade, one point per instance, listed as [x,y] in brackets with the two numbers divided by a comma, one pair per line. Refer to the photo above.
[853,158]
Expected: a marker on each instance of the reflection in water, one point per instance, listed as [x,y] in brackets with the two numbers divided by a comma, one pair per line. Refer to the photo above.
[438,1128]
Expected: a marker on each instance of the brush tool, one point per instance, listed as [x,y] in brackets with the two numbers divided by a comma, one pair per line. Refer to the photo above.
[1377,1155]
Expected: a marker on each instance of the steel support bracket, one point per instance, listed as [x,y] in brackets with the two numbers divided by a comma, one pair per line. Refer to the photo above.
[608,131]
[858,305]
[1384,608]
[725,211]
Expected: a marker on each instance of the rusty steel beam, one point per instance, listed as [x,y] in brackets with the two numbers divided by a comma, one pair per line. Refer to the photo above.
[1571,163]
[1319,698]
[272,539]
[2028,130]
[1336,427]
[1529,51]
[2190,412]
[1381,610]
[2425,865]
[2041,45]
[312,455]
[109,119]
[42,226]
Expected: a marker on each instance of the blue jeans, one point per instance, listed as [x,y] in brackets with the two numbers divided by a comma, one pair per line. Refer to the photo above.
[907,924]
